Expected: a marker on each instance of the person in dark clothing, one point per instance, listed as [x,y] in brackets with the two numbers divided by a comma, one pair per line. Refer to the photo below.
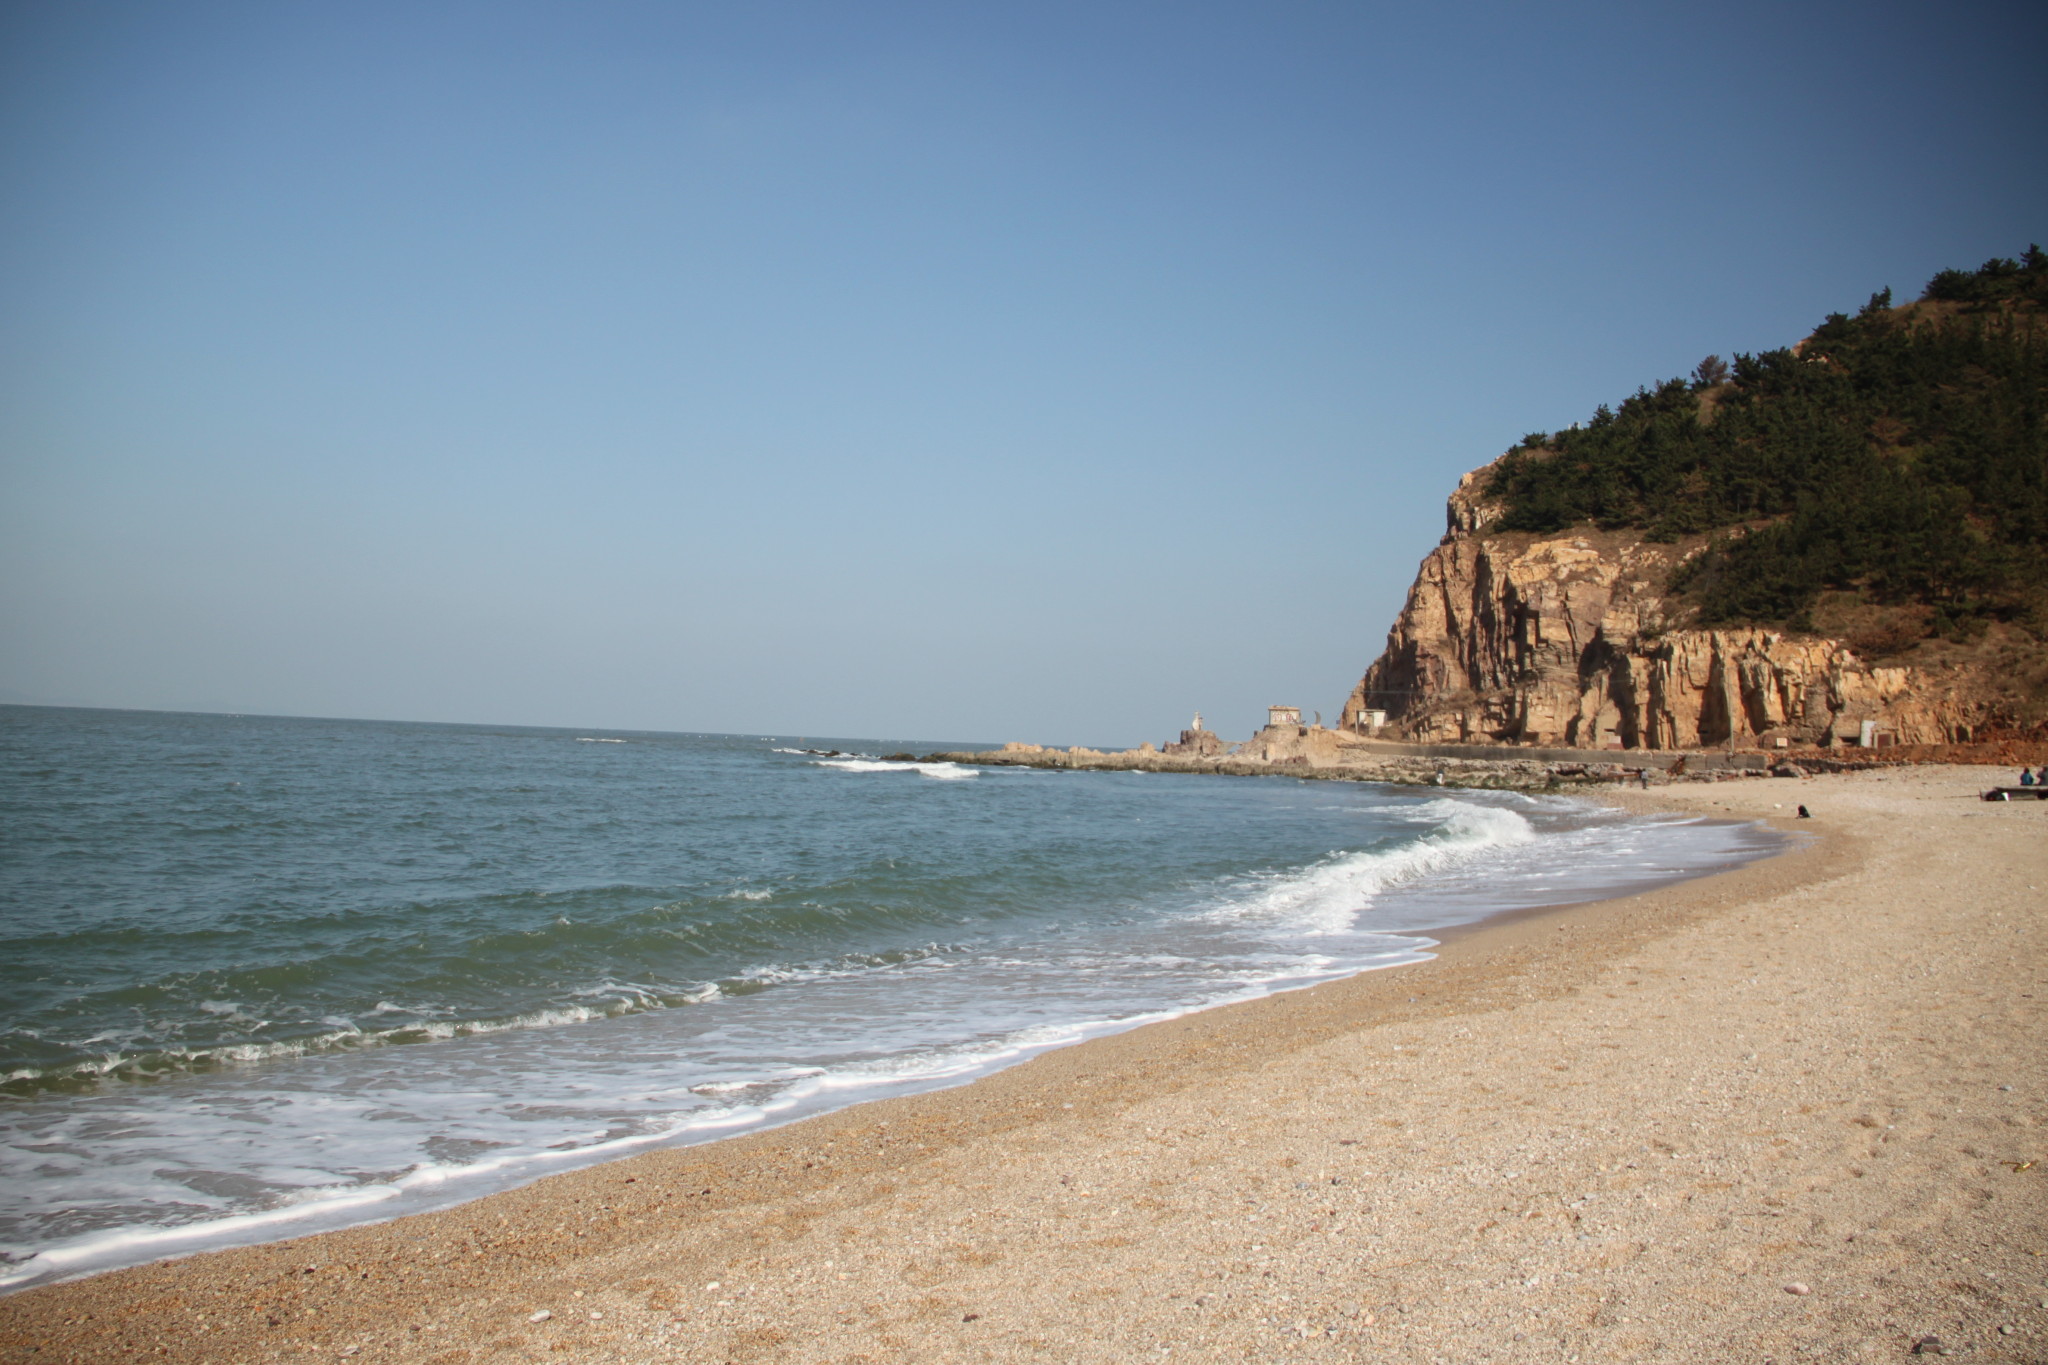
[1805,814]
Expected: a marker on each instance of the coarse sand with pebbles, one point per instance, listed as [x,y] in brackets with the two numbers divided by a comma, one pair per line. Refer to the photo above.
[1792,1112]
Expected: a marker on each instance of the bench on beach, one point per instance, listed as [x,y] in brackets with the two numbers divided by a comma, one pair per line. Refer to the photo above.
[2011,793]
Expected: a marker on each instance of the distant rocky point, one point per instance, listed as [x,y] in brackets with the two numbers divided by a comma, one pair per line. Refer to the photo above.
[1515,638]
[1817,557]
[1841,546]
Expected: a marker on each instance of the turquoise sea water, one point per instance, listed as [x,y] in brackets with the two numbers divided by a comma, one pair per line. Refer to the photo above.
[263,975]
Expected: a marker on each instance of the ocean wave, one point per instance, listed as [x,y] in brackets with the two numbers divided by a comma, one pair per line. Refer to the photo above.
[442,969]
[734,1104]
[134,1057]
[949,772]
[145,1064]
[1326,897]
[674,953]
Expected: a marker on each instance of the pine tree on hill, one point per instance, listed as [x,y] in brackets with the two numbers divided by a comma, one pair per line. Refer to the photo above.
[1900,455]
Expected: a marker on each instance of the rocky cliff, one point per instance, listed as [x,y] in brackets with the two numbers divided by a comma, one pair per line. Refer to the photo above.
[1574,640]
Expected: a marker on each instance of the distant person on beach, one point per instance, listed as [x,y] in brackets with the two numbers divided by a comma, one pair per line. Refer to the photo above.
[1805,814]
[2026,777]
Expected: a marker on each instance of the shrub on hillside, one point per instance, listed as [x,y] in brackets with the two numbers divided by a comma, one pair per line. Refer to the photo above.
[1901,454]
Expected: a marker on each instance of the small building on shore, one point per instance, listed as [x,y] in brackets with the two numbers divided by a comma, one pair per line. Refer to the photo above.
[1277,716]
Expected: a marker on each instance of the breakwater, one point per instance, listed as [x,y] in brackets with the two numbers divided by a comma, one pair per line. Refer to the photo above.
[1314,752]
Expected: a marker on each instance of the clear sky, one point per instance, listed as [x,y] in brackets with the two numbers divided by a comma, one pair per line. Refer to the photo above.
[978,370]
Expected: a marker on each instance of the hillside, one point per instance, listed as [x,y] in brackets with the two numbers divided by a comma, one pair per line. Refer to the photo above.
[1853,529]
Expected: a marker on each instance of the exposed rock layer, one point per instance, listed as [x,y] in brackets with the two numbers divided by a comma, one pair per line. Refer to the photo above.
[1569,640]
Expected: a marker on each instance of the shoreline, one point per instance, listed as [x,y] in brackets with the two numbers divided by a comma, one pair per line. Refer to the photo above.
[443,1190]
[638,1237]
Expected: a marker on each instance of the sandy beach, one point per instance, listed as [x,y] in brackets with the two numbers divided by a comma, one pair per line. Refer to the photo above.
[1790,1112]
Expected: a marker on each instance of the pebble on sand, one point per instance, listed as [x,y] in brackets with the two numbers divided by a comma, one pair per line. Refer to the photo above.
[1797,1288]
[542,1316]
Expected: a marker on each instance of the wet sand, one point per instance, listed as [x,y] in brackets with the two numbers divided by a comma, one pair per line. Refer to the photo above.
[1779,1114]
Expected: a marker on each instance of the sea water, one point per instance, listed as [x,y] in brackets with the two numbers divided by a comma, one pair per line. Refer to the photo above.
[260,976]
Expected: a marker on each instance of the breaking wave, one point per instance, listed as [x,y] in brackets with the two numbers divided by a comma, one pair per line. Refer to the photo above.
[948,772]
[1327,896]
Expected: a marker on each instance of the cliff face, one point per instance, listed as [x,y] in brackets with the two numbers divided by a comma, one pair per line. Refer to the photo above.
[1566,640]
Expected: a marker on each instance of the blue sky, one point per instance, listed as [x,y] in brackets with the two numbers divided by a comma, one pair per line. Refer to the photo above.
[955,371]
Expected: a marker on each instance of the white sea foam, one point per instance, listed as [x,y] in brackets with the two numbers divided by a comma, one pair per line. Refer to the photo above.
[951,772]
[1326,897]
[346,1036]
[596,739]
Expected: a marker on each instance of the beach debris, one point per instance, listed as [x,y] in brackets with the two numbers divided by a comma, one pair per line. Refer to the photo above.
[1798,1288]
[2018,1166]
[969,1317]
[542,1316]
[1930,1346]
[2007,1330]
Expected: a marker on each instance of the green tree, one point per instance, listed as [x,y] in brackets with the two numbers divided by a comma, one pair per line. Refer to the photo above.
[1901,454]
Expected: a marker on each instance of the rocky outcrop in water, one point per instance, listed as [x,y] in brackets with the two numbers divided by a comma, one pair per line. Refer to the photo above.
[1574,640]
